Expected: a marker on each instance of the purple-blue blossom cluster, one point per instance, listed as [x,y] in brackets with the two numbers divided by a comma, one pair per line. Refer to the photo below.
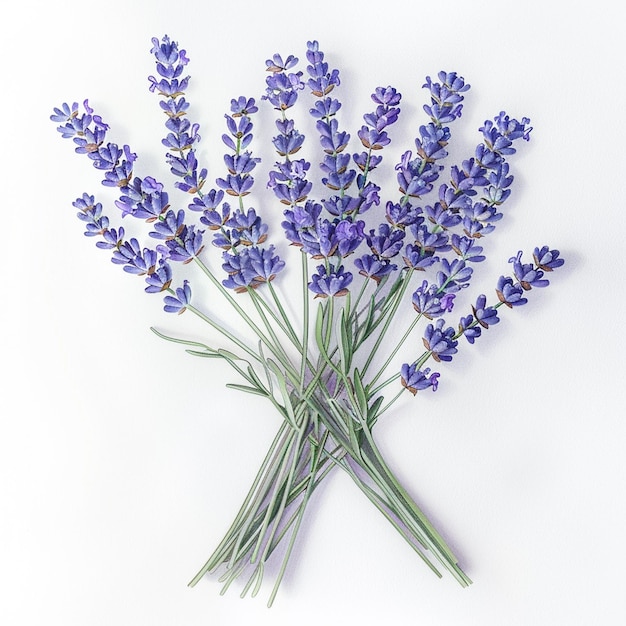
[415,234]
[143,198]
[510,290]
[441,342]
[239,232]
[416,176]
[328,230]
[415,380]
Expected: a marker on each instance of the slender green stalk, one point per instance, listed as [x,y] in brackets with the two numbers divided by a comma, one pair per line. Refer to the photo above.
[390,314]
[396,349]
[224,332]
[300,515]
[211,563]
[306,320]
[434,540]
[278,319]
[277,347]
[244,316]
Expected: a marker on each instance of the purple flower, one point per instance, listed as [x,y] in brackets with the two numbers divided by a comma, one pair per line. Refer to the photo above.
[250,268]
[240,129]
[237,186]
[402,215]
[469,328]
[186,246]
[373,139]
[527,275]
[160,278]
[167,52]
[174,108]
[142,200]
[418,258]
[182,136]
[467,248]
[471,174]
[386,96]
[282,88]
[331,282]
[169,226]
[485,315]
[445,97]
[301,221]
[441,216]
[348,235]
[547,259]
[265,264]
[500,181]
[276,63]
[510,293]
[322,81]
[208,202]
[432,242]
[134,259]
[387,243]
[171,62]
[430,302]
[249,226]
[243,106]
[366,161]
[499,136]
[106,157]
[439,341]
[112,239]
[416,380]
[119,175]
[374,267]
[90,212]
[179,302]
[415,176]
[511,128]
[325,108]
[454,275]
[288,181]
[65,113]
[226,239]
[331,139]
[343,206]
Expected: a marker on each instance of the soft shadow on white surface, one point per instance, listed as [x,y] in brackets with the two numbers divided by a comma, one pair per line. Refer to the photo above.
[123,460]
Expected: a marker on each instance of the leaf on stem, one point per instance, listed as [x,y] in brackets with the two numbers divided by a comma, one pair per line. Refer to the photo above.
[253,390]
[345,342]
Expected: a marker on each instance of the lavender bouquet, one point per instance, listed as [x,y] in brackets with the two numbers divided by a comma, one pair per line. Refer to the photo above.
[369,266]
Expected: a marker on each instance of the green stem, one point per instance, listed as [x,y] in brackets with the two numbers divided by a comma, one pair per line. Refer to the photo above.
[300,514]
[224,332]
[217,556]
[306,321]
[390,314]
[395,351]
[416,519]
[288,327]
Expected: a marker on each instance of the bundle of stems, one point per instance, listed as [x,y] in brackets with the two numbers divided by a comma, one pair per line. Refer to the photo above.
[328,412]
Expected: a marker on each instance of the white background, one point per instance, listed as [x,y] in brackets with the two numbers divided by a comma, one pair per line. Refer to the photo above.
[122,459]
